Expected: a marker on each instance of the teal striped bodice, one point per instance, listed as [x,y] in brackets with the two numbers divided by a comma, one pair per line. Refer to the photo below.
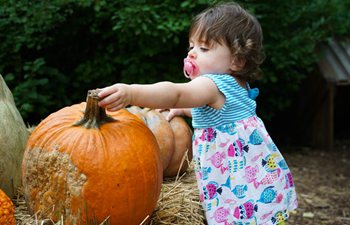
[238,104]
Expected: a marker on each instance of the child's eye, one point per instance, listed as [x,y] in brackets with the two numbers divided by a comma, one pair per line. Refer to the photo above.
[189,48]
[204,49]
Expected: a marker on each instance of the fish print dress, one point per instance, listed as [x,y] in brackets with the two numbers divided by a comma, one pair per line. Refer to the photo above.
[242,177]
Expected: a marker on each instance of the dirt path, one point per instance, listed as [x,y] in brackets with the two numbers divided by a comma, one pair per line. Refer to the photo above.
[322,179]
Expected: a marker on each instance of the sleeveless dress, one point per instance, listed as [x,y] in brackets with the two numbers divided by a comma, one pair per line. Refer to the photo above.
[242,177]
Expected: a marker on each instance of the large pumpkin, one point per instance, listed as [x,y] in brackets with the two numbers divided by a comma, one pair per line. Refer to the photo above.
[13,138]
[80,163]
[7,210]
[174,139]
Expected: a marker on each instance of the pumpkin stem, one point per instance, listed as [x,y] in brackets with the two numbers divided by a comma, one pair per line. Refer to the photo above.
[94,115]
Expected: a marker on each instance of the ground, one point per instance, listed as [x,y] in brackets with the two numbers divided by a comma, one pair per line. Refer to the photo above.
[322,179]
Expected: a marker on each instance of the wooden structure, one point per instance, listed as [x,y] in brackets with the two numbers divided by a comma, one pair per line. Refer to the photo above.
[318,113]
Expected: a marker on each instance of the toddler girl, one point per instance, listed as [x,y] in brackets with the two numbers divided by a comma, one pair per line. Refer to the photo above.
[242,177]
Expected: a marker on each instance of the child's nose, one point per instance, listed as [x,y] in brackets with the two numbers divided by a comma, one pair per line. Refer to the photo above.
[191,54]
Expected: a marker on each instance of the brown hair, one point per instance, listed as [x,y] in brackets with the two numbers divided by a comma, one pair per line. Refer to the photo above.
[228,23]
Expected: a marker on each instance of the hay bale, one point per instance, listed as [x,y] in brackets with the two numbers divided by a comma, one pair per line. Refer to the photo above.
[179,202]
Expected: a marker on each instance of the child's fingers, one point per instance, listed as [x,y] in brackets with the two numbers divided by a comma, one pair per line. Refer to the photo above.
[114,106]
[171,115]
[108,100]
[103,92]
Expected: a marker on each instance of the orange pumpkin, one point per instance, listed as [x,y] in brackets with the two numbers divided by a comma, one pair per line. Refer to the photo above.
[161,130]
[89,165]
[183,145]
[174,139]
[7,210]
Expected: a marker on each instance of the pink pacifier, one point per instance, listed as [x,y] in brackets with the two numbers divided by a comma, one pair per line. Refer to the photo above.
[190,68]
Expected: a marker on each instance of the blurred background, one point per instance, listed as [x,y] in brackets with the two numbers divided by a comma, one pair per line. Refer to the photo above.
[53,52]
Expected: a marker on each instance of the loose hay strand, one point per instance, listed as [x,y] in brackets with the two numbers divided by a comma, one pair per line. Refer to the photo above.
[184,158]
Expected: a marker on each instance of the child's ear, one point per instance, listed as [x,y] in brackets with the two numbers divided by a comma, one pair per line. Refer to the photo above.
[237,64]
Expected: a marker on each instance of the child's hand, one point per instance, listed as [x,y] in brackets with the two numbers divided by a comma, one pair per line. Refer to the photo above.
[115,97]
[176,112]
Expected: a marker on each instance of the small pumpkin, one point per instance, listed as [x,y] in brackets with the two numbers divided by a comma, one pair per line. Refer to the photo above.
[161,129]
[79,158]
[174,139]
[7,210]
[183,145]
[13,138]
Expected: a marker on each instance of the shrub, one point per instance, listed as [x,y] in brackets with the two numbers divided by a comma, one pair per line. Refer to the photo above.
[52,53]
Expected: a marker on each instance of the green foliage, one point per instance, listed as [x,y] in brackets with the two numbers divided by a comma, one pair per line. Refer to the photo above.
[52,52]
[292,30]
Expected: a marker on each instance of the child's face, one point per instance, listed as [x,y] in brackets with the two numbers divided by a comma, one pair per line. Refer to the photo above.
[215,58]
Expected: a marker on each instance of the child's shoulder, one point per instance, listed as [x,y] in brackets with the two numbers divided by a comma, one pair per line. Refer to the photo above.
[220,79]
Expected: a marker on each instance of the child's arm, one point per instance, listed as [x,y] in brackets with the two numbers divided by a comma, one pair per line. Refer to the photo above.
[198,92]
